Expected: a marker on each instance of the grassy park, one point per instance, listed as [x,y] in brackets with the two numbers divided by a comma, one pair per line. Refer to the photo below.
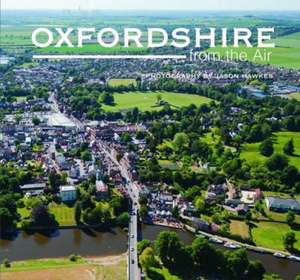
[147,101]
[251,153]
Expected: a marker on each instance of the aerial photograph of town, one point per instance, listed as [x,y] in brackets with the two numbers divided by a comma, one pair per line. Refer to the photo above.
[155,140]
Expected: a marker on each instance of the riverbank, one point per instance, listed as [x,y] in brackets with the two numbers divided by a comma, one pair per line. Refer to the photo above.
[108,267]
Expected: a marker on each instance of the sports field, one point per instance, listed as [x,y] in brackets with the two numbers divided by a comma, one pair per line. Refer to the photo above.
[121,82]
[251,153]
[147,101]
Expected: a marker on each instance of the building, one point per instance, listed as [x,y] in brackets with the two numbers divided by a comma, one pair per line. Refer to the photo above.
[278,204]
[102,191]
[67,193]
[250,196]
[33,189]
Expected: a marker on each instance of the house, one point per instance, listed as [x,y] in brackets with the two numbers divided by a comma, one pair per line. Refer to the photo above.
[278,204]
[67,193]
[33,189]
[250,196]
[102,191]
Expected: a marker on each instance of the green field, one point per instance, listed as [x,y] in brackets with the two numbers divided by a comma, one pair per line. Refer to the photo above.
[288,57]
[270,234]
[240,228]
[64,215]
[294,96]
[89,48]
[292,40]
[121,82]
[251,153]
[146,101]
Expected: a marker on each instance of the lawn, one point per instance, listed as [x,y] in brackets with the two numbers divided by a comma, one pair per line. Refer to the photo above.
[280,55]
[121,82]
[146,101]
[240,228]
[294,96]
[63,214]
[270,234]
[251,153]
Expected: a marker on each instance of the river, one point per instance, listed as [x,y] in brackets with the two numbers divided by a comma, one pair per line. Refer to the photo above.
[89,244]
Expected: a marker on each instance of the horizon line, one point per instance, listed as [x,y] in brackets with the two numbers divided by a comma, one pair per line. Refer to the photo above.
[145,10]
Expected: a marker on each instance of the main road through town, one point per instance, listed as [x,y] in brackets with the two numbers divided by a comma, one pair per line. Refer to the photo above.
[133,269]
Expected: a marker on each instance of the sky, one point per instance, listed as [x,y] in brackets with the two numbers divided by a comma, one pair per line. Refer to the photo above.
[154,4]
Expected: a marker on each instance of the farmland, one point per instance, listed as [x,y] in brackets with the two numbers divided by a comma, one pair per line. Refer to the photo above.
[251,153]
[147,101]
[280,56]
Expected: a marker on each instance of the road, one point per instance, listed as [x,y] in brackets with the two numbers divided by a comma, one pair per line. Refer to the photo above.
[133,269]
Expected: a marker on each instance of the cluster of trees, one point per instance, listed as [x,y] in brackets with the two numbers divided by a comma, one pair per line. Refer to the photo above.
[199,258]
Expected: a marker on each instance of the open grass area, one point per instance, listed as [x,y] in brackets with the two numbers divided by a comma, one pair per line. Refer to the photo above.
[168,164]
[294,96]
[270,235]
[121,82]
[164,273]
[291,40]
[240,228]
[146,101]
[288,57]
[63,214]
[251,153]
[109,268]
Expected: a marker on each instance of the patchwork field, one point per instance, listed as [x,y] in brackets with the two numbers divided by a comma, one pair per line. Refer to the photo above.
[146,101]
[288,57]
[251,153]
[270,234]
[121,82]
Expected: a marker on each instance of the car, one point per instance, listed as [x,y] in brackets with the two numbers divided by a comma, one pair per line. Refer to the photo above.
[132,235]
[132,261]
[232,245]
[279,255]
[215,240]
[132,249]
[294,258]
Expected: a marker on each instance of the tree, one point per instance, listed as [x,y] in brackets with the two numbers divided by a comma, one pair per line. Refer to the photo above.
[290,218]
[41,217]
[277,162]
[123,219]
[36,121]
[266,148]
[204,255]
[107,98]
[236,263]
[168,246]
[255,270]
[77,212]
[180,141]
[142,245]
[143,211]
[288,148]
[289,239]
[147,259]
